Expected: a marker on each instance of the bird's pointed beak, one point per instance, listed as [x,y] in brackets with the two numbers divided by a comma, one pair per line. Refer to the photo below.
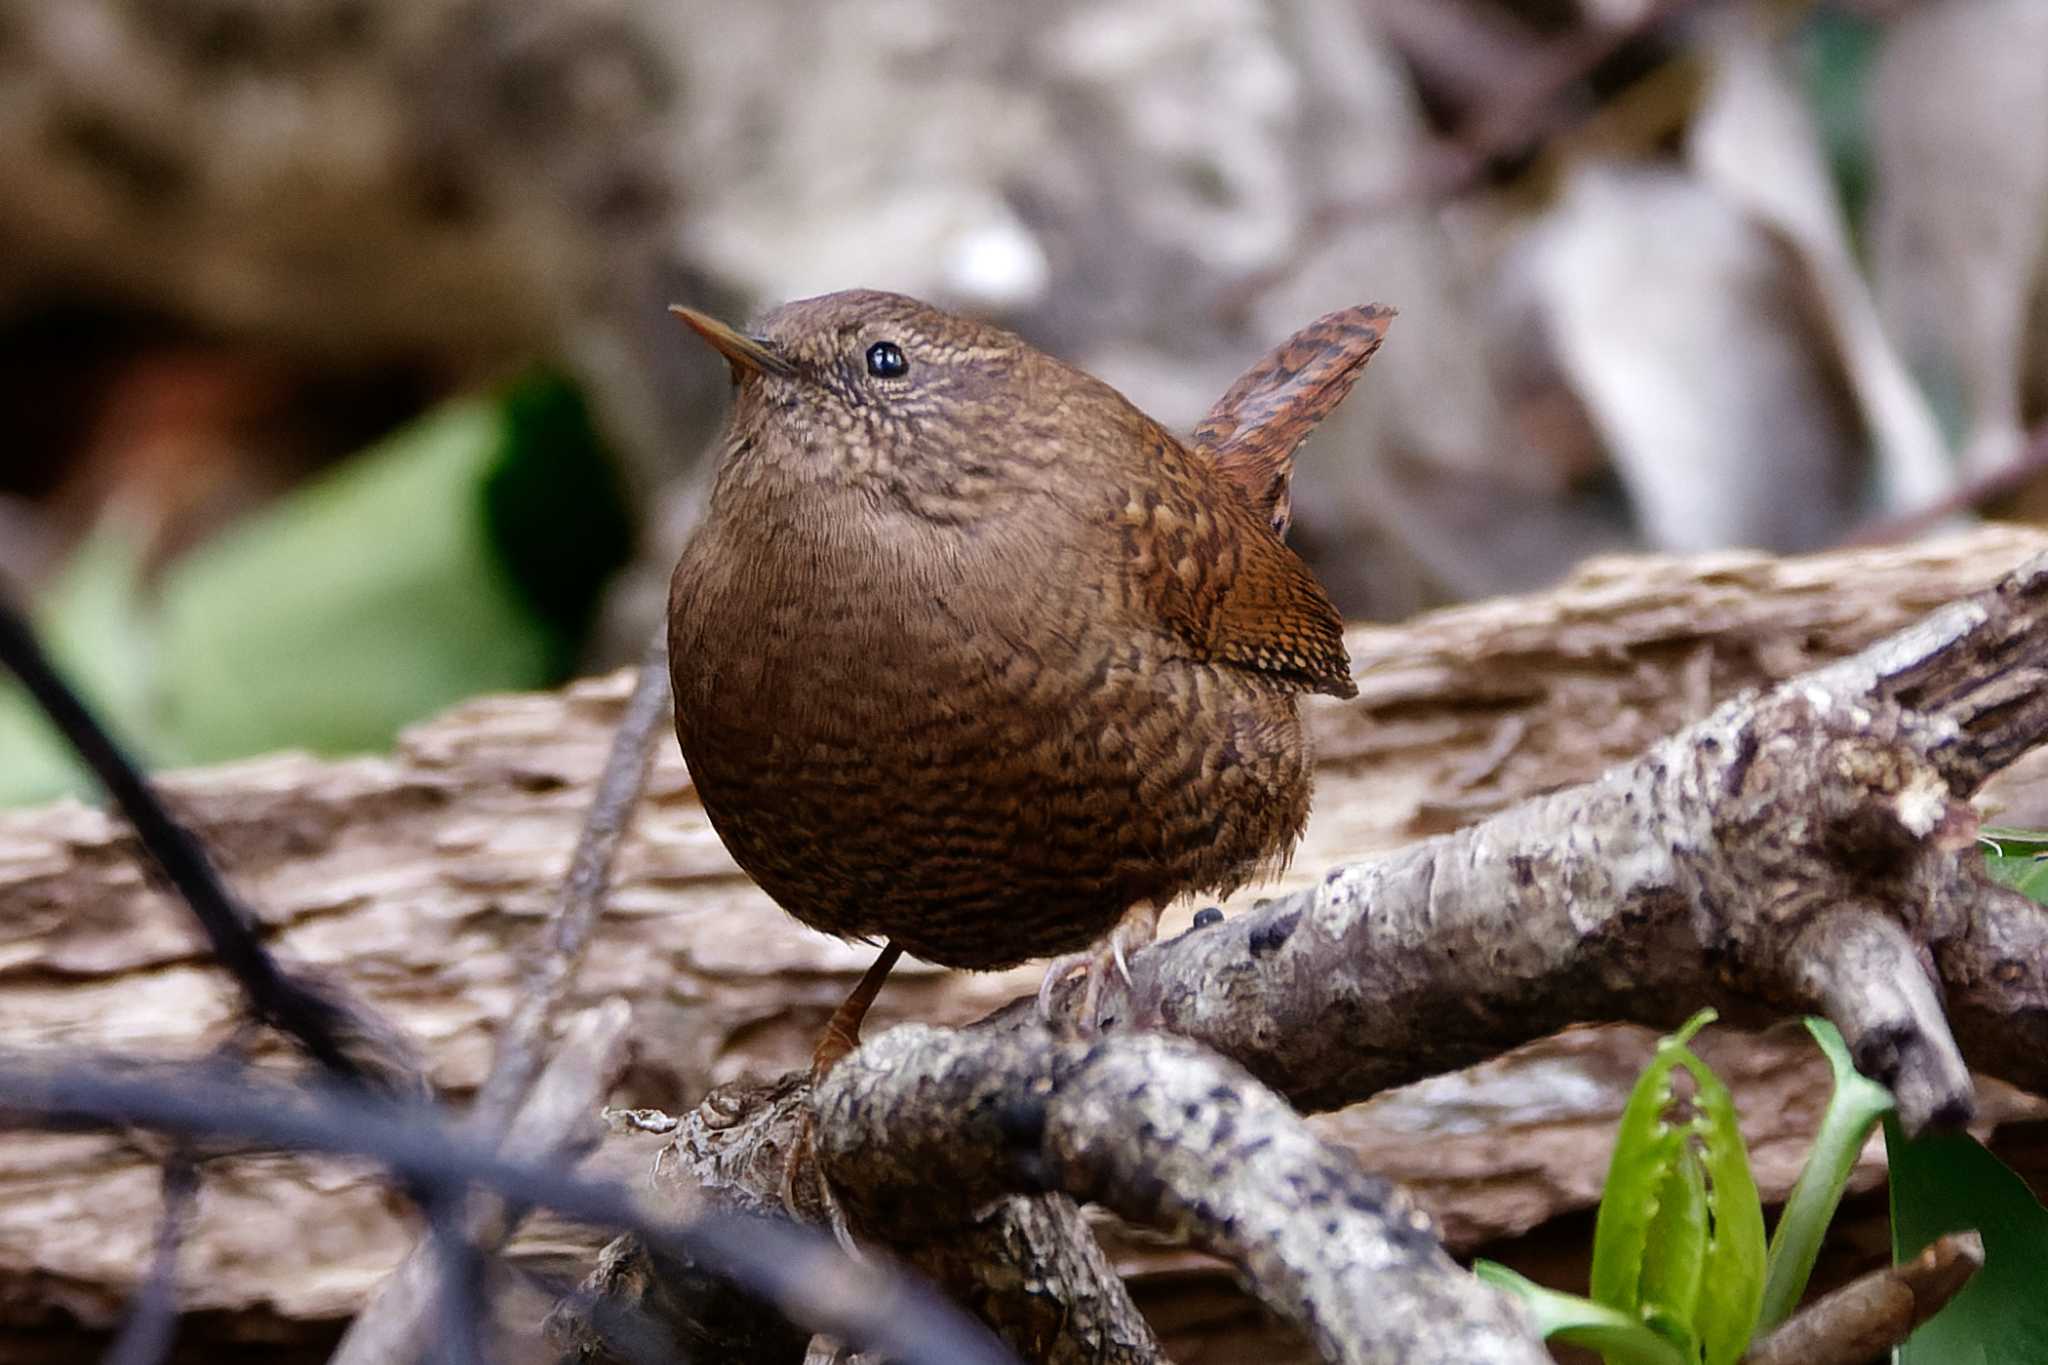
[743,353]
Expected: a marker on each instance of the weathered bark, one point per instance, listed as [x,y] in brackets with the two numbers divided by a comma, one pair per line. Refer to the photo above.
[1798,850]
[411,876]
[1029,1266]
[1794,851]
[921,1126]
[534,1111]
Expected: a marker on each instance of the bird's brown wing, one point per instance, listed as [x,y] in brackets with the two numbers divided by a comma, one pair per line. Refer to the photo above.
[1276,618]
[1211,572]
[1252,432]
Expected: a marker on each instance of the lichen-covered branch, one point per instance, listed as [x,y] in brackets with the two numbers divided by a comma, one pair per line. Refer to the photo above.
[922,1130]
[1804,849]
[417,879]
[1029,1266]
[923,1123]
[925,1132]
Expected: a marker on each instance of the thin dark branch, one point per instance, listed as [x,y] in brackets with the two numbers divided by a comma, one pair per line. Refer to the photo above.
[321,1023]
[460,1305]
[153,1318]
[392,1325]
[557,1120]
[345,1038]
[565,936]
[2024,469]
[800,1272]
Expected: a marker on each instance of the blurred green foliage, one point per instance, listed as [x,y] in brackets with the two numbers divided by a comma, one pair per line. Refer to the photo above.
[464,554]
[1837,52]
[1947,1182]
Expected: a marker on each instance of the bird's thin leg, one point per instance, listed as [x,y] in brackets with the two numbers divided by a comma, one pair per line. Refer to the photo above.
[1138,927]
[842,1030]
[841,1036]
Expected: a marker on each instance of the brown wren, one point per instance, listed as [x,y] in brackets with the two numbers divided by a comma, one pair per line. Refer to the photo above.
[973,657]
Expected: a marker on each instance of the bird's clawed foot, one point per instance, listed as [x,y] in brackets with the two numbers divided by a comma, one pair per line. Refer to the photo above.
[841,1036]
[1109,954]
[800,1167]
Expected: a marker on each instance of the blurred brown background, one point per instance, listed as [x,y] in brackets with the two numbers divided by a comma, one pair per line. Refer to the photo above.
[1671,275]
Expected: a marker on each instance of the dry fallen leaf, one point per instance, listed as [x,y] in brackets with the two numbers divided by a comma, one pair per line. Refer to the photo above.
[1755,142]
[1675,318]
[1959,122]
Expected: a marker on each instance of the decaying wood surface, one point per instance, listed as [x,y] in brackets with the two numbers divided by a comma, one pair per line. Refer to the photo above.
[410,876]
[1809,847]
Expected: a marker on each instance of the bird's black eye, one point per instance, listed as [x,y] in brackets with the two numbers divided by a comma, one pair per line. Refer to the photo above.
[886,360]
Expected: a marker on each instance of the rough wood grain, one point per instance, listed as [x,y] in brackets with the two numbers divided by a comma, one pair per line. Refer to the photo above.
[1807,847]
[410,874]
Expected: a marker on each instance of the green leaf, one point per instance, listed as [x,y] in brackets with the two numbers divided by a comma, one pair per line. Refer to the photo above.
[95,630]
[1836,53]
[2018,858]
[463,554]
[1853,1110]
[1947,1182]
[1620,1339]
[557,514]
[1675,1253]
[459,556]
[365,600]
[1646,1150]
[1679,1243]
[1733,1275]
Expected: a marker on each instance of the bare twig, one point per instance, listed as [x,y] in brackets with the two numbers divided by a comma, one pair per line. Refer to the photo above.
[2027,467]
[1867,1317]
[152,1324]
[461,1309]
[557,1122]
[566,934]
[392,1327]
[800,1272]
